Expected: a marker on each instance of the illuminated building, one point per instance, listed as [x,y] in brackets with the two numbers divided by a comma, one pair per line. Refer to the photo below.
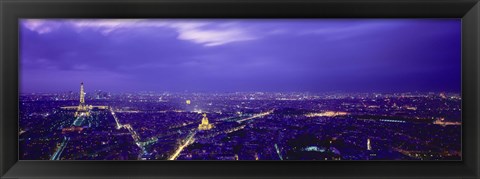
[442,122]
[443,96]
[82,109]
[82,94]
[327,114]
[205,125]
[372,154]
[369,146]
[411,108]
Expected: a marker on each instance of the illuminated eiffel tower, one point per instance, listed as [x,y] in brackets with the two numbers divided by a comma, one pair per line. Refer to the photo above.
[82,109]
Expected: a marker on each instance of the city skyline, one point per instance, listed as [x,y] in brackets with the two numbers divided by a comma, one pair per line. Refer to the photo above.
[213,55]
[240,89]
[240,126]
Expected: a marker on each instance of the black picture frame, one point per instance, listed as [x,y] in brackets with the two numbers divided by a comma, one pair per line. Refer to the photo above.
[12,10]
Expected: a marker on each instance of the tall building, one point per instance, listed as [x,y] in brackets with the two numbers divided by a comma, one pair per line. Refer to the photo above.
[372,154]
[205,125]
[82,107]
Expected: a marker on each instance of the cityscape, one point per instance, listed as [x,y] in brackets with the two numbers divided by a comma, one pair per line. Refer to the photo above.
[206,89]
[240,126]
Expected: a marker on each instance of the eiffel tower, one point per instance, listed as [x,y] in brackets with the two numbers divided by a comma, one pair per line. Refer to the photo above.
[82,109]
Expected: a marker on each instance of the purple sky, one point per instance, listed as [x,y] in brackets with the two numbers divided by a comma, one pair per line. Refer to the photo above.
[322,55]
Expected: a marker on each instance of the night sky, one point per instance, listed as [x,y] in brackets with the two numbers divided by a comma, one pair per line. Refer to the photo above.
[214,55]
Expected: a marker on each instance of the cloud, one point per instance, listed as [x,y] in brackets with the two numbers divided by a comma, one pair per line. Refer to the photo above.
[40,26]
[199,32]
[134,54]
[214,37]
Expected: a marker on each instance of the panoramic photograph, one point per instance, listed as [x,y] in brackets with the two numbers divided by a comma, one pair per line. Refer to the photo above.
[240,89]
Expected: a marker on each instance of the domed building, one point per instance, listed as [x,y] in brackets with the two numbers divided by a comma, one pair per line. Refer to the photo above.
[205,125]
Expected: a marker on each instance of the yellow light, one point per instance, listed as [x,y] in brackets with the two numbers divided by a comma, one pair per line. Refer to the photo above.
[327,114]
[205,125]
[188,101]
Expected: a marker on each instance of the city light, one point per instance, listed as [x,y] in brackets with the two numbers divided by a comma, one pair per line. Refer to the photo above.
[198,136]
[240,89]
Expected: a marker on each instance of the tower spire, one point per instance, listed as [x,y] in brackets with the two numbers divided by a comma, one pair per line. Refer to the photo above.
[82,107]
